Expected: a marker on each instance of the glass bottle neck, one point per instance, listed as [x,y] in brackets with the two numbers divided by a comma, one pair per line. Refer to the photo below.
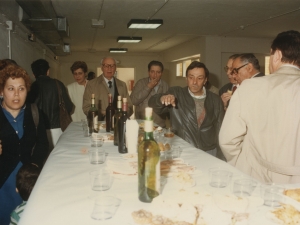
[148,136]
[93,102]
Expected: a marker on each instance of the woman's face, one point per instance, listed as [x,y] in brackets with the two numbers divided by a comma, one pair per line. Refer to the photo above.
[14,95]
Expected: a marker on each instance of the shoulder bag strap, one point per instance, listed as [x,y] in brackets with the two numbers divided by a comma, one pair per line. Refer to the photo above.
[59,94]
[35,115]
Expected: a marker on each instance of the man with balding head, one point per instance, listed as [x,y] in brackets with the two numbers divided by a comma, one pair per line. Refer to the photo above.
[245,66]
[103,85]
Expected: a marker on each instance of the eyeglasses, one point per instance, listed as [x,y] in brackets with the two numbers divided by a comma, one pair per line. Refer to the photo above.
[106,66]
[236,70]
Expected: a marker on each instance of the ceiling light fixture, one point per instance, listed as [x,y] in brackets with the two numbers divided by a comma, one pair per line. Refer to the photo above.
[118,50]
[144,24]
[129,39]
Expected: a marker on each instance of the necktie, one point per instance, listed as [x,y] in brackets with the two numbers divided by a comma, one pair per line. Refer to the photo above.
[109,84]
[233,89]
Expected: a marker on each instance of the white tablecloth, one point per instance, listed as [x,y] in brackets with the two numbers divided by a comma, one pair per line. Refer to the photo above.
[63,196]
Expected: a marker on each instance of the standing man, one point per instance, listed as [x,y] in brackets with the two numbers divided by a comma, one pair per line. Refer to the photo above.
[103,85]
[76,89]
[44,93]
[147,87]
[228,89]
[196,114]
[261,130]
[245,66]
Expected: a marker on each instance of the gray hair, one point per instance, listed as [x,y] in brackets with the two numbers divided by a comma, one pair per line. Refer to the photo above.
[250,58]
[108,57]
[234,56]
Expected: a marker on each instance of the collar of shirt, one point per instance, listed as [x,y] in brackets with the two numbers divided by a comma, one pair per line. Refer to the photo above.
[290,65]
[255,74]
[16,123]
[198,97]
[106,80]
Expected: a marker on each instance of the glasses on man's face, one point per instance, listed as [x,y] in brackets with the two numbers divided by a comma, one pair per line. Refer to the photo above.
[106,66]
[236,70]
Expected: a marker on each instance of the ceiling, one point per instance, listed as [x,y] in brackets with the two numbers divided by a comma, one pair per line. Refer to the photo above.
[183,20]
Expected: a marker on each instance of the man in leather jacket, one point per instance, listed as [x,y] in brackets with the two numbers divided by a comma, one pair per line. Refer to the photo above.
[44,93]
[196,114]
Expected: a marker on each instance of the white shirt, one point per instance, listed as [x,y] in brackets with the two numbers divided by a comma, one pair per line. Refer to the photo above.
[76,92]
[198,97]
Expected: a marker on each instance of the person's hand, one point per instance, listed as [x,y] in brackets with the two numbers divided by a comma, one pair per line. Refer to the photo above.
[153,83]
[0,148]
[168,100]
[225,98]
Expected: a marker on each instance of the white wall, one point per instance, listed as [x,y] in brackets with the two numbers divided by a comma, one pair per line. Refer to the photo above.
[128,60]
[192,47]
[214,52]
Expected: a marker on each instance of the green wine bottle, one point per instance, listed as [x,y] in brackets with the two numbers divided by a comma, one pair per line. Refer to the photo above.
[148,162]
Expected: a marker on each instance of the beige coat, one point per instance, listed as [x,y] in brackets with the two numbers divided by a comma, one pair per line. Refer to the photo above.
[99,87]
[260,134]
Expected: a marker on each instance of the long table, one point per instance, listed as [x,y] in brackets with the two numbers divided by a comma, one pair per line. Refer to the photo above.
[63,196]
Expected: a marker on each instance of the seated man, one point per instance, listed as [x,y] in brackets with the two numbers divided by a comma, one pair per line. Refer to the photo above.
[147,87]
[197,114]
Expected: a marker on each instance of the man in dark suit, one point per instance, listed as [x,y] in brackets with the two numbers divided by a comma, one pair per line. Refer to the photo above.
[245,66]
[226,91]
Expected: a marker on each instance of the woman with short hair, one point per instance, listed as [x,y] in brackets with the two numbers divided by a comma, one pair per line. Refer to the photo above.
[22,134]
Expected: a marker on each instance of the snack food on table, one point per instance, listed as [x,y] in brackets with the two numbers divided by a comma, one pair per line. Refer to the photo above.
[169,167]
[183,177]
[142,216]
[288,215]
[293,193]
[163,147]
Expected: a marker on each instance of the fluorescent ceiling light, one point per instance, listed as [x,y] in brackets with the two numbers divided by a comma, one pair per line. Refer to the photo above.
[144,24]
[129,39]
[118,50]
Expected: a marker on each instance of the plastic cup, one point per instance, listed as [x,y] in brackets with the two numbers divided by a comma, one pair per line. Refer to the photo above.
[96,155]
[244,187]
[272,195]
[101,180]
[105,207]
[85,129]
[220,178]
[84,122]
[96,140]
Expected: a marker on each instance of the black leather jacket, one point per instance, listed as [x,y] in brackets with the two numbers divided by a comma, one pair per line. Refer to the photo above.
[184,121]
[44,93]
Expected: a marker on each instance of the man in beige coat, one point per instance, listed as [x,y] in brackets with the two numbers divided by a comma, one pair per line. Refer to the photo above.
[103,85]
[147,87]
[260,134]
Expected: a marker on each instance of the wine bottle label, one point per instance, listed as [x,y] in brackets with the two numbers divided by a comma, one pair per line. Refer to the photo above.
[148,126]
[95,122]
[93,101]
